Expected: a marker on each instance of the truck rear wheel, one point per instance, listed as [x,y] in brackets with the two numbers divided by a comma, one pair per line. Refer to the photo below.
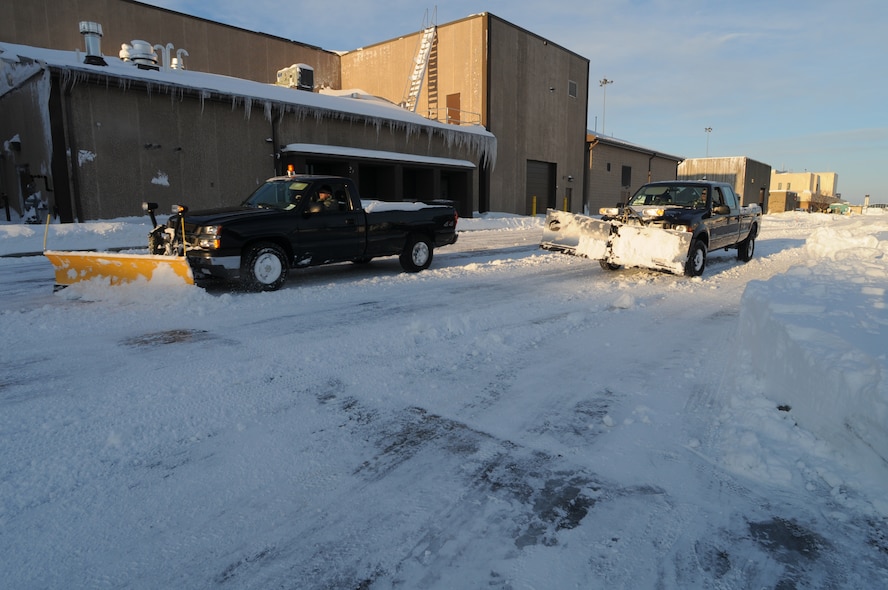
[746,249]
[417,254]
[696,259]
[264,267]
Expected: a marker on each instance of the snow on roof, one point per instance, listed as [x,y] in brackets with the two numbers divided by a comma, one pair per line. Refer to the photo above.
[629,145]
[336,150]
[19,62]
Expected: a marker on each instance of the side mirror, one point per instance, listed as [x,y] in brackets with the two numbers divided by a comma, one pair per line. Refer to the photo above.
[721,209]
[315,208]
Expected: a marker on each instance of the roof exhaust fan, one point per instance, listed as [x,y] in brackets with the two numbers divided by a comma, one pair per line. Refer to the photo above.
[92,34]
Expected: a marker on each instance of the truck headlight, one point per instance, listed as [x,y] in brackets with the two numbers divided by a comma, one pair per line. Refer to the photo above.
[683,228]
[209,236]
[652,212]
[611,211]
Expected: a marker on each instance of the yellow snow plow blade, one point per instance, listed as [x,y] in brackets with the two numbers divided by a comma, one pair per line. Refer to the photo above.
[74,267]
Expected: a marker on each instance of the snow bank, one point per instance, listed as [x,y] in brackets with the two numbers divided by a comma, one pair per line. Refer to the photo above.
[815,336]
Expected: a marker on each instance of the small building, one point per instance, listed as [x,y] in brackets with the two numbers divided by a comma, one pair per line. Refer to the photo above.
[780,201]
[93,136]
[617,168]
[750,179]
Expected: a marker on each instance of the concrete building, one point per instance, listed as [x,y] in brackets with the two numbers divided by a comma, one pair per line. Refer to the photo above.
[815,191]
[92,136]
[617,168]
[529,92]
[750,179]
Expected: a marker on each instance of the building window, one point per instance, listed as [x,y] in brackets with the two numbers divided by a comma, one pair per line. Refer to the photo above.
[626,176]
[608,166]
[571,89]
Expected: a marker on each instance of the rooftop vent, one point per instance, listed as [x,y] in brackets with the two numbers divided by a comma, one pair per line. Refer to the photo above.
[299,76]
[92,35]
[140,53]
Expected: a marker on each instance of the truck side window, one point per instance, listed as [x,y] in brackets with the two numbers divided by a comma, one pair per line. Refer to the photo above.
[340,194]
[730,198]
[717,197]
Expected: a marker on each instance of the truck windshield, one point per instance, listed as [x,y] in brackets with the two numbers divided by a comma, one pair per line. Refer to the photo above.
[277,194]
[677,195]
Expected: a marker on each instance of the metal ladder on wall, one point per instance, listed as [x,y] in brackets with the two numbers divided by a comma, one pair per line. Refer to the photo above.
[420,64]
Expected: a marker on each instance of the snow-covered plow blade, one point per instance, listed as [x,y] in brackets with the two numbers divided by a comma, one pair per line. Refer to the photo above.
[614,243]
[115,268]
[576,234]
[649,247]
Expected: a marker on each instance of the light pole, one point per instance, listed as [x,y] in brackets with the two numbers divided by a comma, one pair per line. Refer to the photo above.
[708,130]
[603,83]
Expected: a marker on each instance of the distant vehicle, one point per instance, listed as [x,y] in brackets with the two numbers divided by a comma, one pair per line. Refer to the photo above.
[668,225]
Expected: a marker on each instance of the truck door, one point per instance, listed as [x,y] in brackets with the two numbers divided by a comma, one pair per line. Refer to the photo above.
[732,227]
[331,228]
[718,223]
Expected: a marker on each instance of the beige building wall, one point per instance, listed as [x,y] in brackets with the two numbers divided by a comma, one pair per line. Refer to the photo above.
[824,184]
[456,69]
[212,47]
[829,184]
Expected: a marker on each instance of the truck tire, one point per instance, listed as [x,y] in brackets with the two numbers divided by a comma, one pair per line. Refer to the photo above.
[696,259]
[417,254]
[609,265]
[746,248]
[264,267]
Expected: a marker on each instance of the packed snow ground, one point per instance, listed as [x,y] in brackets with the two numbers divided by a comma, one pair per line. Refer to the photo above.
[510,418]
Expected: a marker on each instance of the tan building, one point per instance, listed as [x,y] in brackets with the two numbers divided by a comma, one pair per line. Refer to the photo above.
[815,191]
[749,178]
[529,92]
[617,168]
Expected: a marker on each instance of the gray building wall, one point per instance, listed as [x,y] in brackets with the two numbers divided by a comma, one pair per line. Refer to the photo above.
[534,118]
[611,161]
[750,179]
[212,47]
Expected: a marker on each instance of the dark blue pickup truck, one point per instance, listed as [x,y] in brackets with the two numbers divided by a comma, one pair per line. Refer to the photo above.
[299,221]
[668,225]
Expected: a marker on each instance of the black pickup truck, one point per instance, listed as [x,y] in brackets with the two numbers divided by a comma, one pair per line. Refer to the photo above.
[299,221]
[667,225]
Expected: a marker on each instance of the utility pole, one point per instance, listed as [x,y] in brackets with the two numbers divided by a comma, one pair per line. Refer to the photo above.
[603,83]
[708,130]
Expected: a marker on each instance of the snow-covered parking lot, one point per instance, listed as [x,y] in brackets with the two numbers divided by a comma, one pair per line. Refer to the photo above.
[510,418]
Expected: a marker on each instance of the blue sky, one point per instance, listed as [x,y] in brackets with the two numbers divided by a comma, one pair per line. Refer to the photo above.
[801,85]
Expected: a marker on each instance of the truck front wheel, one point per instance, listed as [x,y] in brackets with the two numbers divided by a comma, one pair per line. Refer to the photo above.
[417,254]
[696,259]
[609,265]
[264,267]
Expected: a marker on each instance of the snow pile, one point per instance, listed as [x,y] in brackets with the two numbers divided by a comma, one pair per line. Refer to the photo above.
[815,339]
